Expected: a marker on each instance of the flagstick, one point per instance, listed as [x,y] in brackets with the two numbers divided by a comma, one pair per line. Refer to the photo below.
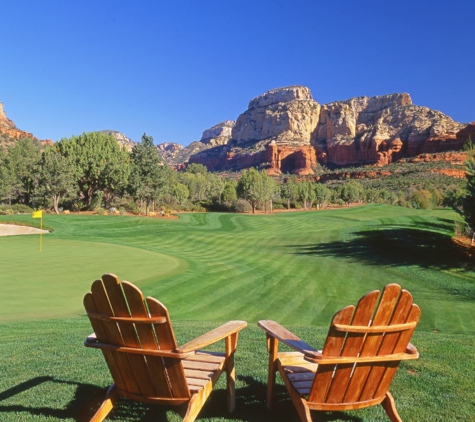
[41,232]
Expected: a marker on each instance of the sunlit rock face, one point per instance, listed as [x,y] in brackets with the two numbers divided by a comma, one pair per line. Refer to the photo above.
[8,131]
[285,115]
[379,130]
[286,130]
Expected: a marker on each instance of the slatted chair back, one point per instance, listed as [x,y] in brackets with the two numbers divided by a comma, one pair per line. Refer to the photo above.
[370,337]
[120,316]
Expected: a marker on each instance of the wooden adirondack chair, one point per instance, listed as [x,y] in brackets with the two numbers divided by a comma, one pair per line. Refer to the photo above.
[137,340]
[360,357]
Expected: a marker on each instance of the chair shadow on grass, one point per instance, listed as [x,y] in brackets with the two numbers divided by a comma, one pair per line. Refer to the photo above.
[250,404]
[250,407]
[85,397]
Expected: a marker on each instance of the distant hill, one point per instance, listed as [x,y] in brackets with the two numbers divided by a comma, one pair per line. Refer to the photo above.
[123,140]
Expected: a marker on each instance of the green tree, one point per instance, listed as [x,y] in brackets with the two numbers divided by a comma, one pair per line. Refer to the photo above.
[5,188]
[322,195]
[229,194]
[20,170]
[250,187]
[101,164]
[454,197]
[421,198]
[57,177]
[468,202]
[351,192]
[270,190]
[195,168]
[148,176]
[181,193]
[307,193]
[289,190]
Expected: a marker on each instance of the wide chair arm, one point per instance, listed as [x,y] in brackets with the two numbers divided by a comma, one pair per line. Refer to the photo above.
[93,342]
[276,331]
[225,330]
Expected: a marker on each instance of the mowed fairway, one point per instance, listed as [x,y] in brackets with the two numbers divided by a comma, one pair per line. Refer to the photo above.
[296,268]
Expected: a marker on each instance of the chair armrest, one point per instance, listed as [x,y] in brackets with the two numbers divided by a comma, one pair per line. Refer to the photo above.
[411,349]
[212,336]
[134,350]
[91,338]
[280,333]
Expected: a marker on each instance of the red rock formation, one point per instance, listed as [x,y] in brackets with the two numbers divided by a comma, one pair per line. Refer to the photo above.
[456,173]
[8,128]
[457,158]
[286,130]
[298,160]
[442,144]
[47,143]
[467,132]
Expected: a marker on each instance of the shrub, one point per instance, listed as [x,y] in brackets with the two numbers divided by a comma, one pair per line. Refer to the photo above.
[101,211]
[197,208]
[242,205]
[132,207]
[339,202]
[421,198]
[76,206]
[21,209]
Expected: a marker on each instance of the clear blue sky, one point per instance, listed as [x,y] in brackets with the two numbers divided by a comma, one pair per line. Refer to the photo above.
[173,69]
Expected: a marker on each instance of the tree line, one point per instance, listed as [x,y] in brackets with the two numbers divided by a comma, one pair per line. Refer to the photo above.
[92,172]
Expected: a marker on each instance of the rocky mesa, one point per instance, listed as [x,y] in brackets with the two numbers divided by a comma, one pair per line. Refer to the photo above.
[9,133]
[286,130]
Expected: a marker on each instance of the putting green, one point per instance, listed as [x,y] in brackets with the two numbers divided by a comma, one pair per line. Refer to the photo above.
[52,283]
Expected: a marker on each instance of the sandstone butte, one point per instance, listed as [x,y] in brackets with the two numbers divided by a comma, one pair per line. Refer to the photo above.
[9,132]
[286,130]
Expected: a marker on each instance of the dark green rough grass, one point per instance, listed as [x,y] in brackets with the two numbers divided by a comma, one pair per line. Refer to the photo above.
[51,376]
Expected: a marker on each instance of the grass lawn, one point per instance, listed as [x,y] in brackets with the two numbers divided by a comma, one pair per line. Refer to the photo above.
[296,268]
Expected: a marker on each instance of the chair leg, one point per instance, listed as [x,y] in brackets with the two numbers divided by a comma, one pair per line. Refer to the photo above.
[390,407]
[302,409]
[231,343]
[107,405]
[272,348]
[194,406]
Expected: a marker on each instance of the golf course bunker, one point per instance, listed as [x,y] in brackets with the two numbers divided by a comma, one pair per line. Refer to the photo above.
[52,283]
[14,230]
